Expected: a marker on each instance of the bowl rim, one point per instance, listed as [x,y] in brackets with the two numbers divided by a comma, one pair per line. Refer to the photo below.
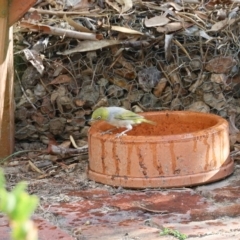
[221,125]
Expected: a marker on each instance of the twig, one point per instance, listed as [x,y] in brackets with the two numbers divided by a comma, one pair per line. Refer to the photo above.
[16,153]
[24,93]
[137,204]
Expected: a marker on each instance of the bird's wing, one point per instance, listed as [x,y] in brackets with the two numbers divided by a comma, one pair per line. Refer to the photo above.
[127,115]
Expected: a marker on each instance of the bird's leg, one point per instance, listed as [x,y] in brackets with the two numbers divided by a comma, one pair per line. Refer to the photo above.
[108,131]
[129,127]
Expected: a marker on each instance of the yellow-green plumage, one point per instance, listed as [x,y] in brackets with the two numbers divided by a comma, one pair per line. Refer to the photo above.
[119,117]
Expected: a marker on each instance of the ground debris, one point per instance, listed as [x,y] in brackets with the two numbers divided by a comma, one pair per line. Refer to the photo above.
[143,56]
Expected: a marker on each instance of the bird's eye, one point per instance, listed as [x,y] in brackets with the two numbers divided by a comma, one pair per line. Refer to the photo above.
[99,117]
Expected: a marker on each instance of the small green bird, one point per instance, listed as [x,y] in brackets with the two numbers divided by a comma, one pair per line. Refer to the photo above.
[119,117]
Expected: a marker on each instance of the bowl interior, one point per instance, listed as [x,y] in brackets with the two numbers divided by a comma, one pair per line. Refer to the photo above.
[169,123]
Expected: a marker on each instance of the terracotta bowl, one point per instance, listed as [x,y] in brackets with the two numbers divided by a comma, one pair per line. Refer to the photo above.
[183,149]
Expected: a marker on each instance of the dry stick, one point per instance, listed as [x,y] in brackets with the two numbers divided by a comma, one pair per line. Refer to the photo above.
[34,167]
[200,75]
[191,20]
[74,71]
[166,76]
[62,13]
[182,47]
[24,93]
[45,86]
[16,153]
[66,70]
[137,204]
[93,75]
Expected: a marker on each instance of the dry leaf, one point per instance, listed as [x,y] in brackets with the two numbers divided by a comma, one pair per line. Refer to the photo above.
[201,14]
[221,64]
[127,5]
[216,101]
[173,27]
[221,25]
[199,106]
[176,6]
[125,30]
[35,59]
[156,21]
[167,46]
[218,78]
[79,102]
[160,87]
[82,5]
[114,5]
[85,46]
[33,16]
[125,73]
[60,32]
[76,25]
[61,79]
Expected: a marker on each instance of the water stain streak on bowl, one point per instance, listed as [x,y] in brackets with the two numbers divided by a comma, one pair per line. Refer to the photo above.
[183,149]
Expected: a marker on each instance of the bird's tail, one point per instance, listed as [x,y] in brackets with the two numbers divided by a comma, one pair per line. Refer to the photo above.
[148,121]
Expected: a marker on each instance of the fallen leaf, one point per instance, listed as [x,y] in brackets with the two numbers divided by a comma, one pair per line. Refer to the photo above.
[76,25]
[173,27]
[60,31]
[176,6]
[221,64]
[127,5]
[218,78]
[125,30]
[156,21]
[160,87]
[114,5]
[82,5]
[125,73]
[221,25]
[85,46]
[35,59]
[199,106]
[61,79]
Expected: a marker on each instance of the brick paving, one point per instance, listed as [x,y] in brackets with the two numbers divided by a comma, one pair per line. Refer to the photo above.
[209,212]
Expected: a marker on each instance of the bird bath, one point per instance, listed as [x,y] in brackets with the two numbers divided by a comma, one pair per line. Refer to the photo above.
[183,149]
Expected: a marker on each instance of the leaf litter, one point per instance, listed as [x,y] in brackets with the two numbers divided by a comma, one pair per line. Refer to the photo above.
[72,57]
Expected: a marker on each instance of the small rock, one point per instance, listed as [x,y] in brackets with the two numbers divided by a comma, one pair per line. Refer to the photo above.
[148,100]
[30,78]
[176,104]
[89,95]
[25,132]
[43,128]
[137,109]
[84,131]
[21,114]
[57,125]
[199,106]
[39,90]
[44,139]
[135,96]
[148,78]
[114,102]
[78,122]
[216,101]
[115,91]
[196,64]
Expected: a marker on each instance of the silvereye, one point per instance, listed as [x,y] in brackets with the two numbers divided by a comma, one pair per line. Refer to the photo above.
[119,117]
